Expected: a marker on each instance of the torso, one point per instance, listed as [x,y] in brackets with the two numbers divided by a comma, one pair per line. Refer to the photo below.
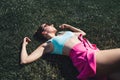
[70,43]
[67,46]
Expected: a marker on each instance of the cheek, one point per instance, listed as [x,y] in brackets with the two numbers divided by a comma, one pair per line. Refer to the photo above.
[52,29]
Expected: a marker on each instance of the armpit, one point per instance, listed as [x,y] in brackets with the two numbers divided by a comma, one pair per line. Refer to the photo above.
[48,47]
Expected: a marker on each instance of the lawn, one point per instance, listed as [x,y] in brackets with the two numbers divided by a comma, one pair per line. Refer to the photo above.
[100,19]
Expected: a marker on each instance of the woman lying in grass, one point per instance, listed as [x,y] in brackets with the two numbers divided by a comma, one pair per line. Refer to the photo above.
[86,57]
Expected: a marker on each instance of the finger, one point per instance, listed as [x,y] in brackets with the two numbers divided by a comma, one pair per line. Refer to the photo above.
[62,27]
[59,26]
[28,39]
[25,39]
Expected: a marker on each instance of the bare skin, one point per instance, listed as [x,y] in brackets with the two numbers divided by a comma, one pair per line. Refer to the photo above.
[49,32]
[108,61]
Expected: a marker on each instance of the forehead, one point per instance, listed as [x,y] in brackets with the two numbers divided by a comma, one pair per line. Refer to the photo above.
[45,24]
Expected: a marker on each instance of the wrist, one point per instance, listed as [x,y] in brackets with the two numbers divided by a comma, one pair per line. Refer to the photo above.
[24,45]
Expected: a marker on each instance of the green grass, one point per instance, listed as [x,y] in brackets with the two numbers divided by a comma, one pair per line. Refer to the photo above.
[100,19]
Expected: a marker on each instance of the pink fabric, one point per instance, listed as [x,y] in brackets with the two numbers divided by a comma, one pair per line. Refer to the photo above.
[83,58]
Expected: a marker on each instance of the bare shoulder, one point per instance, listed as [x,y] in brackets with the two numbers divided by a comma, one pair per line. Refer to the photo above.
[48,47]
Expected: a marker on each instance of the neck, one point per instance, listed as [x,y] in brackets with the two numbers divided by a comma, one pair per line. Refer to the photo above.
[51,35]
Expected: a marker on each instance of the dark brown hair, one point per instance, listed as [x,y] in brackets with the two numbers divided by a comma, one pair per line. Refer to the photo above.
[39,36]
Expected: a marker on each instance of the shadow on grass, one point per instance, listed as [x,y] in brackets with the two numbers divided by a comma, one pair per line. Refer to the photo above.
[67,70]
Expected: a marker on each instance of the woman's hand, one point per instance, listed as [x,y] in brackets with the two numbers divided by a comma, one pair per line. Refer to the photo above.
[63,26]
[26,40]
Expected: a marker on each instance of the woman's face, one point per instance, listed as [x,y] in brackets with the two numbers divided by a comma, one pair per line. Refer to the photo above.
[48,28]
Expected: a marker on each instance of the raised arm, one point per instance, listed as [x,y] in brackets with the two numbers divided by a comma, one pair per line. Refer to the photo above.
[25,58]
[74,29]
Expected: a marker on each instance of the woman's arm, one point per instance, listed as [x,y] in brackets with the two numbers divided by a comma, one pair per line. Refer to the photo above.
[74,29]
[25,58]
